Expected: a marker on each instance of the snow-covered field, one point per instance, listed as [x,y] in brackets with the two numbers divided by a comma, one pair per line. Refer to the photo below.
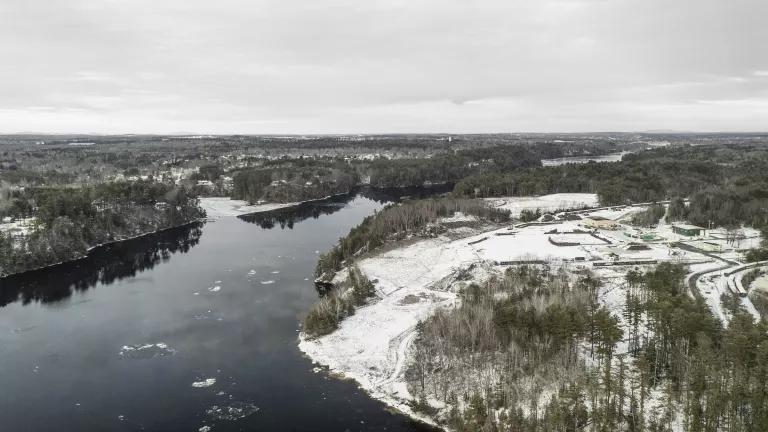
[216,207]
[761,283]
[547,203]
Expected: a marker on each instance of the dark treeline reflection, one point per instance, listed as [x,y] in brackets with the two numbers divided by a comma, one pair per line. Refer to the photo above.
[104,264]
[289,216]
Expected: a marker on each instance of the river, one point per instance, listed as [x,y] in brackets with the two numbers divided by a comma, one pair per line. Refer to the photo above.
[133,337]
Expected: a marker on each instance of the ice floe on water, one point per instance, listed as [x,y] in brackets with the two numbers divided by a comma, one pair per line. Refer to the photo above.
[234,411]
[215,288]
[267,282]
[146,351]
[209,314]
[23,329]
[204,383]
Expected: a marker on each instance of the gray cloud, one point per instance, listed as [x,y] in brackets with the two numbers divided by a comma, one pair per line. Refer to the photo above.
[237,66]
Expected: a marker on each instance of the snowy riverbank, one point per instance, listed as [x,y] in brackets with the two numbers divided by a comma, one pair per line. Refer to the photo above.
[216,207]
[414,280]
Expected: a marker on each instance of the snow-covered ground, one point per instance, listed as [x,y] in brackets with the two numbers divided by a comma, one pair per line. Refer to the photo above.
[761,283]
[371,346]
[216,207]
[19,227]
[546,203]
[613,157]
[414,280]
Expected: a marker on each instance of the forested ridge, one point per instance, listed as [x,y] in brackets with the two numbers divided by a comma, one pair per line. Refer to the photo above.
[292,184]
[291,180]
[68,221]
[726,185]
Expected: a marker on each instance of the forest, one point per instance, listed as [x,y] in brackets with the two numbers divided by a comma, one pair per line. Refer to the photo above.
[71,220]
[293,184]
[726,185]
[533,350]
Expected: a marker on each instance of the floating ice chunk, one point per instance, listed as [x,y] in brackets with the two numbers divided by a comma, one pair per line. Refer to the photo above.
[267,282]
[216,288]
[204,383]
[146,351]
[234,411]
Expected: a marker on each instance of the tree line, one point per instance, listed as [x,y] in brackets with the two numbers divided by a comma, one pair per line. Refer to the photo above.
[726,185]
[68,221]
[535,351]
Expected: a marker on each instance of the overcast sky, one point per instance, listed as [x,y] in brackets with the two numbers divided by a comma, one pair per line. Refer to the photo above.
[357,66]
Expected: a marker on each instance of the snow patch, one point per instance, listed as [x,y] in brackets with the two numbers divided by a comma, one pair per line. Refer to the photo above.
[547,203]
[204,383]
[146,351]
[217,207]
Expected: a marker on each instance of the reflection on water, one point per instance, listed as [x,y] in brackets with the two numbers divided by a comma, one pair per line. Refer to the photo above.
[116,261]
[104,264]
[289,216]
[204,339]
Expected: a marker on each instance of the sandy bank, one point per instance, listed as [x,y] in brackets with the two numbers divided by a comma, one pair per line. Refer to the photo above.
[216,207]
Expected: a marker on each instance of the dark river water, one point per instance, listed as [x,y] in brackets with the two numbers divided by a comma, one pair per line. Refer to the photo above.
[116,341]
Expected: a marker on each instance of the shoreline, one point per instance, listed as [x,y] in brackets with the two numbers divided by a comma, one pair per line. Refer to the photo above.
[399,406]
[267,207]
[236,208]
[90,249]
[413,281]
